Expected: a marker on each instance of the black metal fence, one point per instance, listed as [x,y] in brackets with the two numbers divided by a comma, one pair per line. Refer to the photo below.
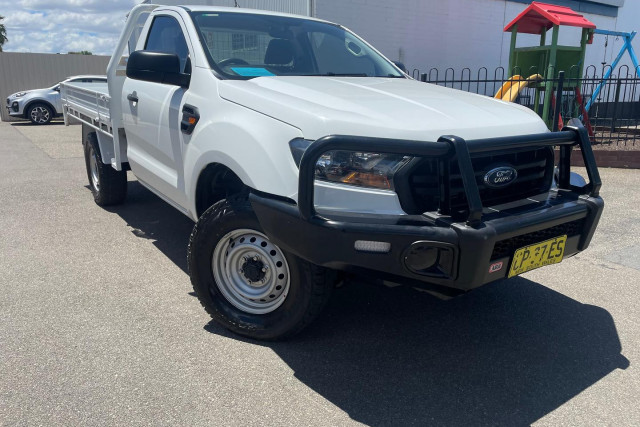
[613,118]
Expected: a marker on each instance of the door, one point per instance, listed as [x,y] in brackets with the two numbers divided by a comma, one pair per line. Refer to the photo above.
[152,114]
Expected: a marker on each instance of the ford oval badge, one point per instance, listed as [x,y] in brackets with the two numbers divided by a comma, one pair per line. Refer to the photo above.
[500,177]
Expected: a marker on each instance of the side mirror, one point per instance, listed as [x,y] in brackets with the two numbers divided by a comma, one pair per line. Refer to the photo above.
[156,67]
[57,88]
[401,66]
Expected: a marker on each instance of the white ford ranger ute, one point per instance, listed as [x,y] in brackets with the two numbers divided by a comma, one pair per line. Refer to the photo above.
[302,153]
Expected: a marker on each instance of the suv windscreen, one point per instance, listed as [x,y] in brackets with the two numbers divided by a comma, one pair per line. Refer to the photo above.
[242,46]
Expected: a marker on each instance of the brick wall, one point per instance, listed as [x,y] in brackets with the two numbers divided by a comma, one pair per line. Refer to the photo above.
[609,159]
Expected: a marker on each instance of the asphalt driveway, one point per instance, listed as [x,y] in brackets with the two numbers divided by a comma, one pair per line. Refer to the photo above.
[99,326]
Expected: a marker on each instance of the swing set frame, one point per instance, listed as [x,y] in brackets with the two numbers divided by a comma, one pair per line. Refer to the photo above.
[626,47]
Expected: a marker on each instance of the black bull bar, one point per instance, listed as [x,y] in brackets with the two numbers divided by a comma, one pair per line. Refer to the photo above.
[444,149]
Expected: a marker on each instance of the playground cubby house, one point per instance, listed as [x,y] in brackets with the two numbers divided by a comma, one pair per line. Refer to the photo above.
[548,59]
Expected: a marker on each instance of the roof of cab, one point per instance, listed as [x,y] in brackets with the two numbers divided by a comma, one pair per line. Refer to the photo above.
[205,8]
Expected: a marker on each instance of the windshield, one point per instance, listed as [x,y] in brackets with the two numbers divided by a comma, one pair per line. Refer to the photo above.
[242,46]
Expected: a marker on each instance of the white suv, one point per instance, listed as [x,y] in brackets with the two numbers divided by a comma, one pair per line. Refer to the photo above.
[42,105]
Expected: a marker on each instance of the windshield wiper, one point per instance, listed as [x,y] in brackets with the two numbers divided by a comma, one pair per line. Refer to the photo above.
[330,74]
[339,74]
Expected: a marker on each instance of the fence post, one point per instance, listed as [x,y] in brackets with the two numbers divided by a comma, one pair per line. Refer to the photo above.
[423,77]
[558,106]
[615,105]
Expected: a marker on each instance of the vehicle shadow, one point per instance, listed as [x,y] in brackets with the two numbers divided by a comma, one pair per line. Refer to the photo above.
[152,218]
[505,354]
[28,123]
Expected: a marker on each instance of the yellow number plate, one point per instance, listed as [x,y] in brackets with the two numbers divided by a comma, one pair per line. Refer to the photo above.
[533,256]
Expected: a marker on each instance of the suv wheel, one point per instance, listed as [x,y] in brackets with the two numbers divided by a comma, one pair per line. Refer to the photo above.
[40,114]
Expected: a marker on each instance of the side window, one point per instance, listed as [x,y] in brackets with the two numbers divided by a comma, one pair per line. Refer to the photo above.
[166,36]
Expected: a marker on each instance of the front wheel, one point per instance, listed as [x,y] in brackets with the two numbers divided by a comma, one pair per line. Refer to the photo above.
[246,282]
[40,114]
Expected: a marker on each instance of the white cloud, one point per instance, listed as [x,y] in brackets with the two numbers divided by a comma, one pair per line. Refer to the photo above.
[60,26]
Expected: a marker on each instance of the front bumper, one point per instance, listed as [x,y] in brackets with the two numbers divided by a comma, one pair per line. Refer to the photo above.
[14,107]
[466,254]
[456,255]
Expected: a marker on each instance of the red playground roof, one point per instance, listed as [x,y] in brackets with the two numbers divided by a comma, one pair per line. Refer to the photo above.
[539,16]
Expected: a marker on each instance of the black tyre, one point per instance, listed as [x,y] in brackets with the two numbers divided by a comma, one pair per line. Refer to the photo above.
[109,186]
[248,284]
[39,114]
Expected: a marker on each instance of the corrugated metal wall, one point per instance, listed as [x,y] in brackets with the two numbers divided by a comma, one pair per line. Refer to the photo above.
[298,7]
[22,71]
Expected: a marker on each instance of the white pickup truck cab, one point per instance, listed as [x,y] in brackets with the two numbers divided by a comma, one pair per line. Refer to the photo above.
[302,153]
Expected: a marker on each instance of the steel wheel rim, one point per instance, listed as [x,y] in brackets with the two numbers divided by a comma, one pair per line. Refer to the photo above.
[236,259]
[40,115]
[93,169]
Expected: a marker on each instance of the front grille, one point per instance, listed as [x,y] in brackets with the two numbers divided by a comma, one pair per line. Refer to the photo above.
[8,101]
[432,189]
[506,248]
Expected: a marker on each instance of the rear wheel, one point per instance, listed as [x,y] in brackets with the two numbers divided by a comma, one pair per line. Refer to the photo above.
[246,282]
[108,186]
[40,114]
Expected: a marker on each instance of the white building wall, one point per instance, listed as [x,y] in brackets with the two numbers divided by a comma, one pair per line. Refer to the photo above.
[439,34]
[628,20]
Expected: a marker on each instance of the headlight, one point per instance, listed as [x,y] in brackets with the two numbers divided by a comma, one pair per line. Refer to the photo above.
[19,94]
[374,170]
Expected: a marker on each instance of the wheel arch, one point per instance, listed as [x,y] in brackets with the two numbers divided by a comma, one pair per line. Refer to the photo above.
[38,101]
[216,182]
[105,142]
[253,145]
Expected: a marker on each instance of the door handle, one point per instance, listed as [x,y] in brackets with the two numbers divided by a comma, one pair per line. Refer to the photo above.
[132,97]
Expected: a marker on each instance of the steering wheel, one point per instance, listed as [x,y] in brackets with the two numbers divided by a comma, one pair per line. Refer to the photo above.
[232,61]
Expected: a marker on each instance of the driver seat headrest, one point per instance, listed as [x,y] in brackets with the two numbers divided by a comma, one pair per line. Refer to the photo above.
[279,52]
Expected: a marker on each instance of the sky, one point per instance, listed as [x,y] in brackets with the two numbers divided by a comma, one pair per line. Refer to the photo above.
[61,26]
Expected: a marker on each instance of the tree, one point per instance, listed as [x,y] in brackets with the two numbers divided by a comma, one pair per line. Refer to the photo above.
[82,52]
[3,33]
